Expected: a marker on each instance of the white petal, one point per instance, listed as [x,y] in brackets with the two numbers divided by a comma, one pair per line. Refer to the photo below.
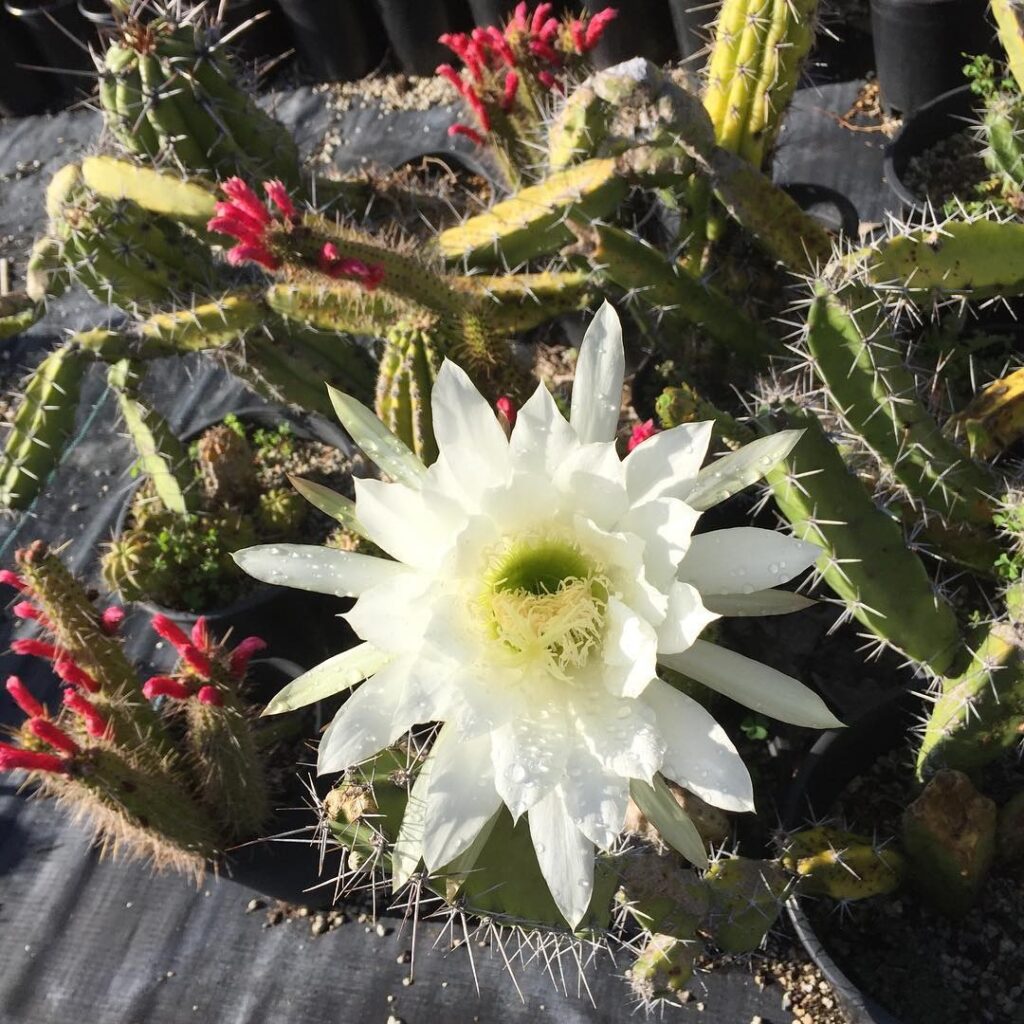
[595,799]
[597,389]
[414,526]
[394,615]
[739,469]
[380,445]
[744,559]
[761,602]
[541,438]
[466,428]
[462,797]
[565,857]
[630,652]
[332,676]
[319,569]
[529,755]
[665,525]
[685,619]
[753,685]
[666,460]
[592,477]
[698,753]
[408,849]
[659,806]
[621,733]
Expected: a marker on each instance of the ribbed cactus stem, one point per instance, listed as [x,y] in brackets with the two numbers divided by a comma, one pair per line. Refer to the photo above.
[1010,22]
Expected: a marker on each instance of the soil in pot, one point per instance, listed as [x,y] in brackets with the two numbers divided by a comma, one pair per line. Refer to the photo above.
[925,967]
[952,167]
[239,476]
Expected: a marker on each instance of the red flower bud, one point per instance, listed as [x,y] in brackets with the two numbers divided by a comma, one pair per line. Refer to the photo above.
[246,200]
[506,410]
[241,655]
[30,760]
[278,195]
[165,686]
[27,610]
[519,16]
[511,87]
[470,133]
[36,649]
[640,433]
[53,736]
[200,634]
[540,15]
[598,23]
[190,654]
[12,579]
[75,675]
[210,696]
[111,619]
[24,699]
[252,254]
[96,724]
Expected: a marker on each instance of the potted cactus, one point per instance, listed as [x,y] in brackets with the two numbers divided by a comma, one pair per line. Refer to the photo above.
[199,499]
[174,769]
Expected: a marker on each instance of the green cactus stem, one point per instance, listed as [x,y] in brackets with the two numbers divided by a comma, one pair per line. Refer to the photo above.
[45,274]
[18,312]
[343,307]
[161,456]
[408,369]
[1010,24]
[512,303]
[662,967]
[978,714]
[203,326]
[864,549]
[842,865]
[993,420]
[877,397]
[949,833]
[42,424]
[166,90]
[532,222]
[746,898]
[671,291]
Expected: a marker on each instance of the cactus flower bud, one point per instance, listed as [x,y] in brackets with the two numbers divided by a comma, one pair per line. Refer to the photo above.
[111,619]
[243,652]
[190,654]
[12,579]
[12,757]
[640,433]
[598,23]
[96,724]
[334,265]
[506,414]
[470,133]
[165,686]
[24,699]
[245,200]
[75,675]
[278,195]
[210,696]
[36,649]
[53,736]
[27,610]
[201,634]
[511,87]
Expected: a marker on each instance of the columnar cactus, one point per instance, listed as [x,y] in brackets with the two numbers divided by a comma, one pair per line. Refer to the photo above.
[175,793]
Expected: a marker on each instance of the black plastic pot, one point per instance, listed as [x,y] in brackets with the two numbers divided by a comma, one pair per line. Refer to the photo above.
[642,29]
[337,40]
[693,21]
[413,27]
[60,34]
[835,760]
[265,38]
[296,624]
[943,117]
[920,47]
[22,91]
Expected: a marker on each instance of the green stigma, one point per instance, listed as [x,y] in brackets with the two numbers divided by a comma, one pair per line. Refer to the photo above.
[544,603]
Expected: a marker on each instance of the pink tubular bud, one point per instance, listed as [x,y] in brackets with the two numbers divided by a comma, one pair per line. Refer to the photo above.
[470,133]
[548,80]
[499,44]
[241,655]
[245,199]
[540,15]
[53,736]
[640,433]
[506,410]
[549,30]
[30,760]
[12,579]
[278,195]
[252,254]
[447,72]
[190,654]
[111,619]
[598,23]
[511,87]
[334,265]
[96,724]
[544,51]
[165,686]
[27,610]
[479,109]
[245,224]
[201,634]
[519,16]
[210,696]
[578,34]
[75,675]
[24,699]
[36,649]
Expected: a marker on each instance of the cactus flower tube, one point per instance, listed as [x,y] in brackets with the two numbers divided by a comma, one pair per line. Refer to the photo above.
[536,582]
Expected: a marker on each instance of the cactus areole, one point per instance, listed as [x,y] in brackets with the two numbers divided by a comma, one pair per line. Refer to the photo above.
[536,581]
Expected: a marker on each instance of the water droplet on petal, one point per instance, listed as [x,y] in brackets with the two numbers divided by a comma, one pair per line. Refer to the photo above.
[518,773]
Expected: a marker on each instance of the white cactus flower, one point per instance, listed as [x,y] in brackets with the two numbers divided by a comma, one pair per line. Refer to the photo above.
[535,584]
